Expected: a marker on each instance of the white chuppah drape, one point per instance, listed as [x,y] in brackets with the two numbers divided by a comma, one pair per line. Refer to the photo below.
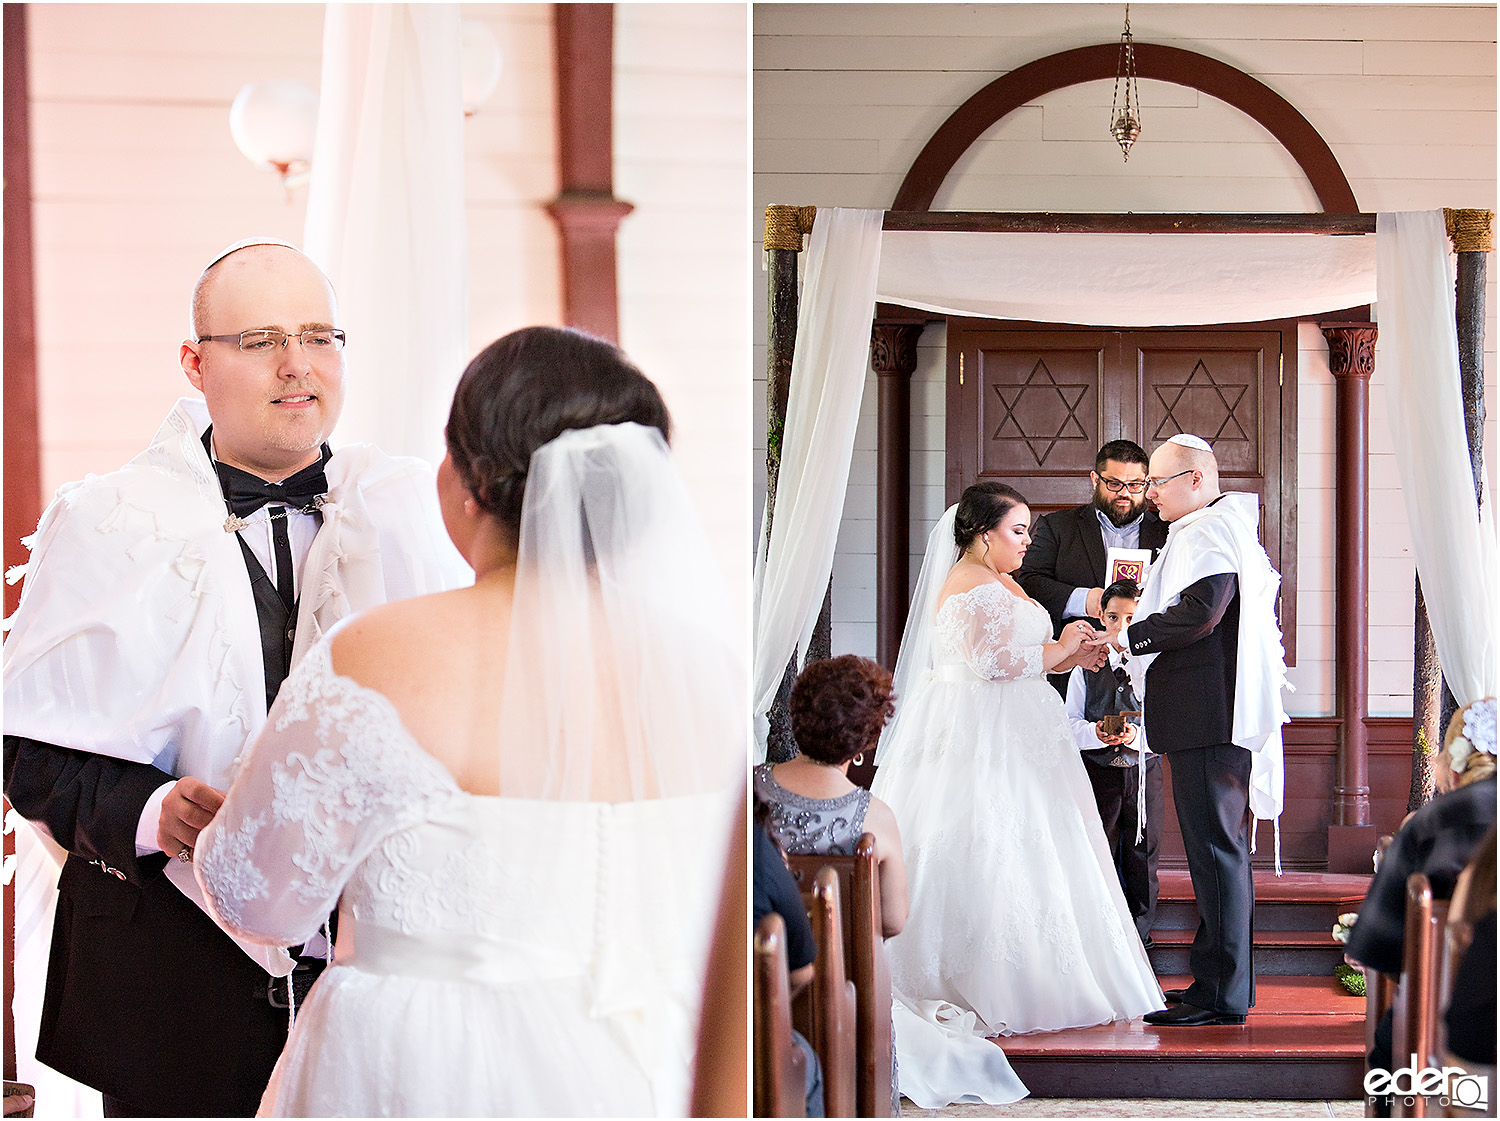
[827,380]
[1126,280]
[385,216]
[1417,354]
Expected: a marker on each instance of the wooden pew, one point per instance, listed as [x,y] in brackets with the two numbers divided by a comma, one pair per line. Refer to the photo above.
[780,1069]
[828,1006]
[864,955]
[1380,988]
[1414,1031]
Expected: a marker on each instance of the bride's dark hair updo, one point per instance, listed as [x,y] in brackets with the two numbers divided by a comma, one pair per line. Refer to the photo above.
[981,507]
[526,389]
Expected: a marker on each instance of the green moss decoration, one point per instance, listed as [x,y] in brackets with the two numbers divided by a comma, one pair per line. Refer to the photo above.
[1352,979]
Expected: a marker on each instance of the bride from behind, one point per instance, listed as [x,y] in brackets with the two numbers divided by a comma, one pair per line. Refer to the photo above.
[516,794]
[1017,920]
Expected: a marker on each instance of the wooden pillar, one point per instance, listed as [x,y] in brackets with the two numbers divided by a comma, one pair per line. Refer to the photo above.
[586,212]
[893,353]
[1351,359]
[785,228]
[23,489]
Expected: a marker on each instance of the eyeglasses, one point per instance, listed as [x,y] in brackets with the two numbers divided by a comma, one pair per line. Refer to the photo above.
[1157,484]
[327,339]
[1115,486]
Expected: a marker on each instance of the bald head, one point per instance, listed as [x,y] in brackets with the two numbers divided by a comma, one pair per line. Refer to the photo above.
[244,261]
[1190,480]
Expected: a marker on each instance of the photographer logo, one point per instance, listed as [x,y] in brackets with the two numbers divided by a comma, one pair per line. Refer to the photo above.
[1453,1085]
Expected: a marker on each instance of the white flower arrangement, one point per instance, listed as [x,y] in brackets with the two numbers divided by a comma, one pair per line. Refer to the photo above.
[1345,926]
[1477,737]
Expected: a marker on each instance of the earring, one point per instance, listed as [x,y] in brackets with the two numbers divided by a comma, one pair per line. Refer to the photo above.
[859,760]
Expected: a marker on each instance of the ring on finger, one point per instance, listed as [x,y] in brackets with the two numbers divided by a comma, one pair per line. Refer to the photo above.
[185,854]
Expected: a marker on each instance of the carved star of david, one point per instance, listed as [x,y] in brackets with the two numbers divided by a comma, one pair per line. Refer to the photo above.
[1200,386]
[1041,381]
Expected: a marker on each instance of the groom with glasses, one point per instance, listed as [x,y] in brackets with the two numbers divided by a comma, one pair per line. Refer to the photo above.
[164,605]
[1064,571]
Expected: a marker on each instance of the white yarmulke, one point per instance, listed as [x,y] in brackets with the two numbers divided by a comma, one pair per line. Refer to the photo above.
[246,243]
[1188,440]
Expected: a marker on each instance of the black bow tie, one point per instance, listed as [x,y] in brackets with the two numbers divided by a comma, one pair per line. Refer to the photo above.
[246,493]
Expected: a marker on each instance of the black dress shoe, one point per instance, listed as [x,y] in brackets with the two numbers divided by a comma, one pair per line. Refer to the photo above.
[1174,996]
[1190,1016]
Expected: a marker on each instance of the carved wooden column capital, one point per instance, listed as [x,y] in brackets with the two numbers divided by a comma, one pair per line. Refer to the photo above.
[893,348]
[1351,349]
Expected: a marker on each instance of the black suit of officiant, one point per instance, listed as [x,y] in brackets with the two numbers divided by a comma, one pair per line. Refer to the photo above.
[1067,552]
[1189,713]
[147,999]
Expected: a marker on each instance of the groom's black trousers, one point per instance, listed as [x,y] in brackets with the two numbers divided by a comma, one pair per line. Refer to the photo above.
[1211,790]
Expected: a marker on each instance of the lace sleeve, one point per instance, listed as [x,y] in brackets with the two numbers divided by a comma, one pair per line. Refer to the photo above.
[993,637]
[331,775]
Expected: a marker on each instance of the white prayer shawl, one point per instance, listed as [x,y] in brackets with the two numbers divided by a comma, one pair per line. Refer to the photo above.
[137,635]
[1208,542]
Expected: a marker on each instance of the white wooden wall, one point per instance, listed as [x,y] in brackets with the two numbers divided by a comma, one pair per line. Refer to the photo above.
[847,94]
[137,183]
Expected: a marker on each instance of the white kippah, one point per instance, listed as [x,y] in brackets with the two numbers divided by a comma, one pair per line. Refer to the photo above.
[1188,440]
[246,243]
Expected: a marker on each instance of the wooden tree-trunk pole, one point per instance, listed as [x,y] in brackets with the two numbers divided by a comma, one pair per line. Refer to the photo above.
[785,228]
[1433,703]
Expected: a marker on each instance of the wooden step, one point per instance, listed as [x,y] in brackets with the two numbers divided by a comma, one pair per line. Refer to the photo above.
[1304,1039]
[1297,953]
[1295,901]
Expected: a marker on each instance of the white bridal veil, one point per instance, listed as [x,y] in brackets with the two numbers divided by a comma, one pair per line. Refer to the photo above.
[623,674]
[915,657]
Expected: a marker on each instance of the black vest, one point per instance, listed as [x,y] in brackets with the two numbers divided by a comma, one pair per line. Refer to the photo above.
[1107,691]
[278,620]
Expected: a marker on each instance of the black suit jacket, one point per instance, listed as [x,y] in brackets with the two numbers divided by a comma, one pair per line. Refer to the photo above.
[1190,685]
[147,1000]
[1067,552]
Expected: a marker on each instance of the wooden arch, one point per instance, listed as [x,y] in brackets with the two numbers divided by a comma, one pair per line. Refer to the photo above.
[1153,61]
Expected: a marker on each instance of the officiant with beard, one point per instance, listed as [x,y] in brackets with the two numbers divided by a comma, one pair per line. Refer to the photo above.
[1064,571]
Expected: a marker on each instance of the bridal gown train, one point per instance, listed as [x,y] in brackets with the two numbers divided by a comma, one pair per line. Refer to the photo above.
[1017,922]
[496,956]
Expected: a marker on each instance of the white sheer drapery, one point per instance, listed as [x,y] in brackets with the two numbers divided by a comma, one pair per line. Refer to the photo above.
[1417,354]
[385,216]
[827,380]
[1127,280]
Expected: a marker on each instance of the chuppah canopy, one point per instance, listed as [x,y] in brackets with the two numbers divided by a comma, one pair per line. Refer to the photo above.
[1135,279]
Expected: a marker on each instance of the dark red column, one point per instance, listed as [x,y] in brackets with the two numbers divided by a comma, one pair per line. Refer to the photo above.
[893,354]
[1351,359]
[586,211]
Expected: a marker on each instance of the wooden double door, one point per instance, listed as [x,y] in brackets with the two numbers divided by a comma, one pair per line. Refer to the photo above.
[1030,404]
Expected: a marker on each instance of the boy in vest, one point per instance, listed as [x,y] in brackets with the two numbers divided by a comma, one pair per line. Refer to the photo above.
[1113,756]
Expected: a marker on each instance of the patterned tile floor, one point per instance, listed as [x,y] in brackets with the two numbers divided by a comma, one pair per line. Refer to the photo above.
[1144,1107]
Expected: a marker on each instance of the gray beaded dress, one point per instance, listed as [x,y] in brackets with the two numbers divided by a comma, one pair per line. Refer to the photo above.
[803,826]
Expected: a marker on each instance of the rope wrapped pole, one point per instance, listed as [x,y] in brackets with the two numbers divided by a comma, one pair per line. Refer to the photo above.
[785,228]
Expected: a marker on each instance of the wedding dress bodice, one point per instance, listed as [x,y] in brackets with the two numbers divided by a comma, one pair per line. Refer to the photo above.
[992,631]
[573,905]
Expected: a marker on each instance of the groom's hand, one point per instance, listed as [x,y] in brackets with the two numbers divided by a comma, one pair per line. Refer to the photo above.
[188,807]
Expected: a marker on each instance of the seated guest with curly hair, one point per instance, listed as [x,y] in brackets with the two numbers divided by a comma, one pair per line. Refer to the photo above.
[838,707]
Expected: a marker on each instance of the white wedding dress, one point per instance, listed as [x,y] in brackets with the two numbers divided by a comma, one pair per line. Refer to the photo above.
[1017,922]
[496,956]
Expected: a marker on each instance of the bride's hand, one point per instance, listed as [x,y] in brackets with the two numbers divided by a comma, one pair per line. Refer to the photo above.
[1075,634]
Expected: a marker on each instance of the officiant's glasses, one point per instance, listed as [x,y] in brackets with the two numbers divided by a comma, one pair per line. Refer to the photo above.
[1115,486]
[326,339]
